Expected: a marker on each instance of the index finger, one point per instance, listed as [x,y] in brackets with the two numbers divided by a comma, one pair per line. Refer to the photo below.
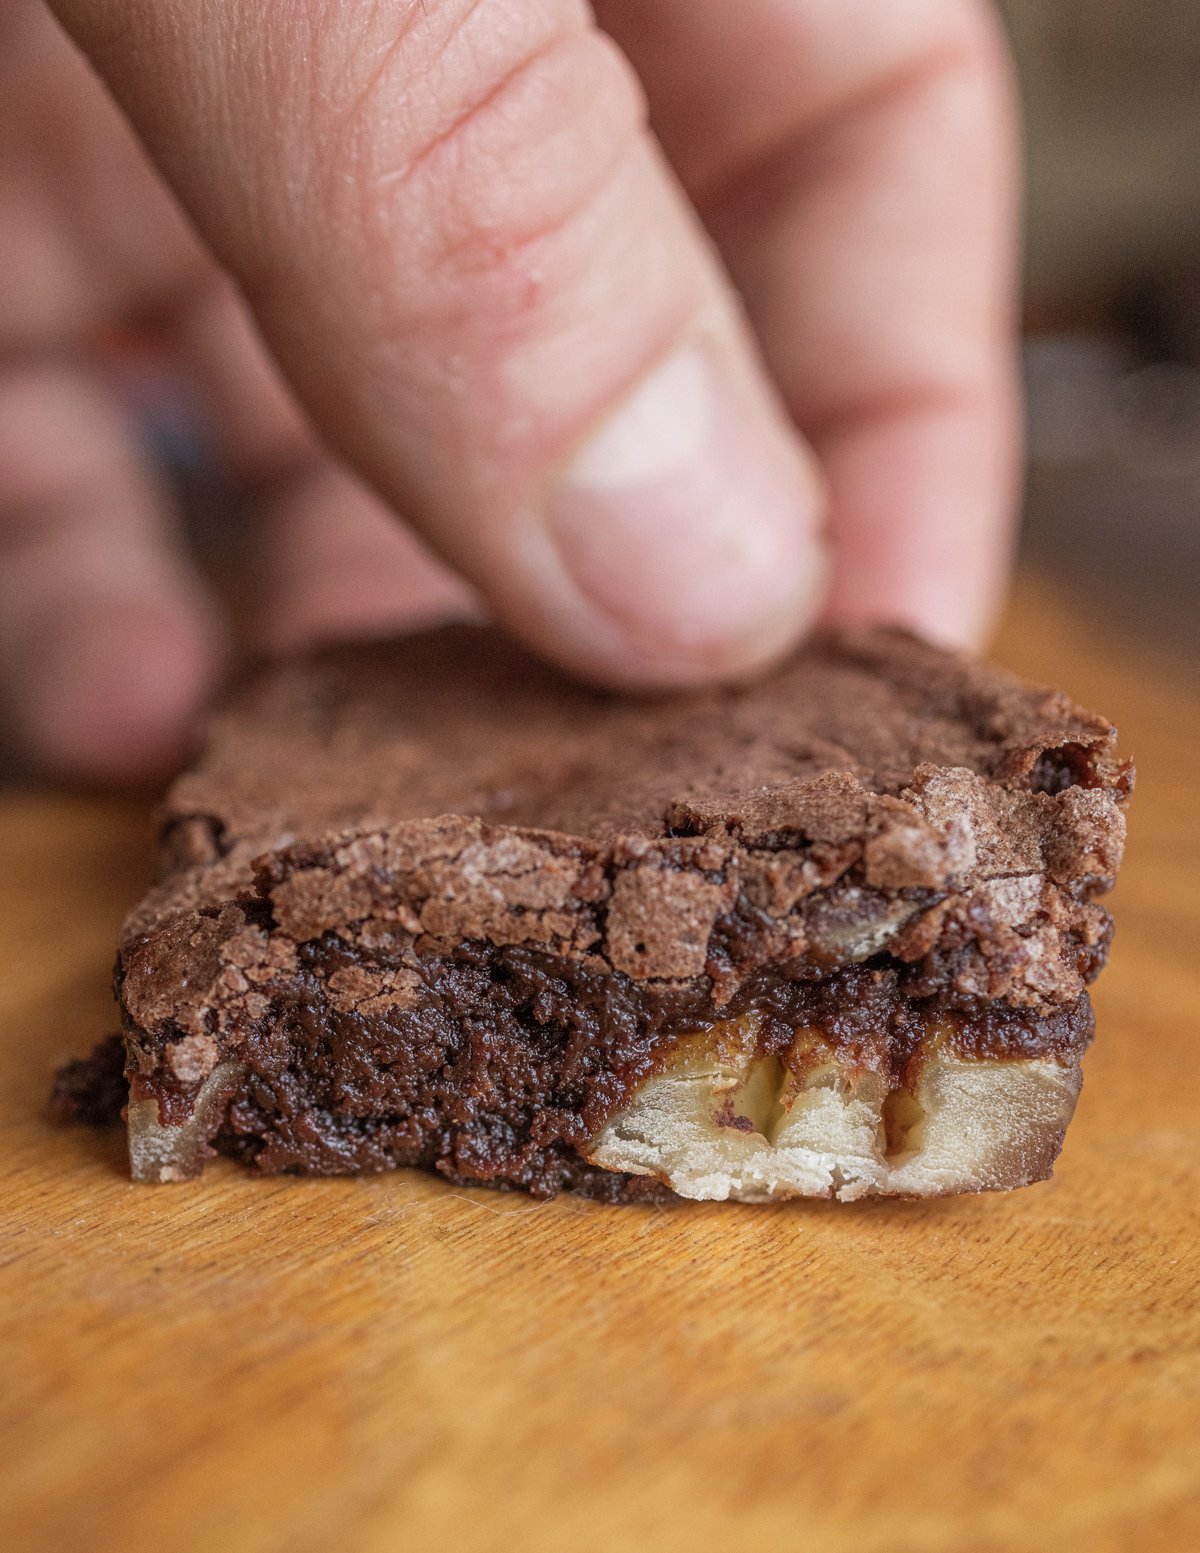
[855,161]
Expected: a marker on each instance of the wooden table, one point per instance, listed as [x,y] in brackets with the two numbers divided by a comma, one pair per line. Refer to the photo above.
[391,1364]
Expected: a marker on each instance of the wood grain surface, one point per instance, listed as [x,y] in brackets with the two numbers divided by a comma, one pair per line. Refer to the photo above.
[391,1364]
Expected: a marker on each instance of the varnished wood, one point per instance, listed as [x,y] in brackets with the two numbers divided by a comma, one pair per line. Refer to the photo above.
[370,1366]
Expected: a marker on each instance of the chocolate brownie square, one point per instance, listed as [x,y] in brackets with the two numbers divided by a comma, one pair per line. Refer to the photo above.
[427,903]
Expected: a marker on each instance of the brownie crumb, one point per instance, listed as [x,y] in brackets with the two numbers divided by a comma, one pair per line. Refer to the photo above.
[92,1091]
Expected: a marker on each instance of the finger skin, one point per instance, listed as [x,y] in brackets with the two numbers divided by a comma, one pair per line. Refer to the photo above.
[330,563]
[89,235]
[855,161]
[107,644]
[469,257]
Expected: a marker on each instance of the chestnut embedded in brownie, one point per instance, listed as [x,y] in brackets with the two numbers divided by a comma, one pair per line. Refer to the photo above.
[427,903]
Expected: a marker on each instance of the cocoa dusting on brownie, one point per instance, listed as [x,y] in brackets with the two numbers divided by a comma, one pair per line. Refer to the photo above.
[427,902]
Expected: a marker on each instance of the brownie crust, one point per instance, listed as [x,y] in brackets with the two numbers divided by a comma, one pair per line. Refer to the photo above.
[426,902]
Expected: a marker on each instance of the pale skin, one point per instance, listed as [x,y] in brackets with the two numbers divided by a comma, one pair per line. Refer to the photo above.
[671,327]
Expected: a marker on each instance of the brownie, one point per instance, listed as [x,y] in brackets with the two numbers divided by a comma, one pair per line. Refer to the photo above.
[428,903]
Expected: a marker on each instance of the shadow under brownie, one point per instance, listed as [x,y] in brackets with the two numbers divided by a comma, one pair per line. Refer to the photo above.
[427,903]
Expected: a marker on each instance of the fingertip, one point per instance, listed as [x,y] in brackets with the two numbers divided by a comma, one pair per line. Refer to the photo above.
[937,615]
[112,694]
[925,510]
[687,534]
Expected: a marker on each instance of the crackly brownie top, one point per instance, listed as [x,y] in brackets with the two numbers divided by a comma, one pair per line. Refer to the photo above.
[873,793]
[461,721]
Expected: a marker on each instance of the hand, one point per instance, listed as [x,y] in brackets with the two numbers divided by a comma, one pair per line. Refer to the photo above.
[661,395]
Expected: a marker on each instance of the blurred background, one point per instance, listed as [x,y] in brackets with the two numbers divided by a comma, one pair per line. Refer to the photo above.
[1112,305]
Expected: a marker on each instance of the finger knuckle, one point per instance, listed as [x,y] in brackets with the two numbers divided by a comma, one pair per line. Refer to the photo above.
[506,147]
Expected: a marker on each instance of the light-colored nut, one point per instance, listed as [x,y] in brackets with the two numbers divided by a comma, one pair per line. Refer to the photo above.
[722,1122]
[158,1153]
